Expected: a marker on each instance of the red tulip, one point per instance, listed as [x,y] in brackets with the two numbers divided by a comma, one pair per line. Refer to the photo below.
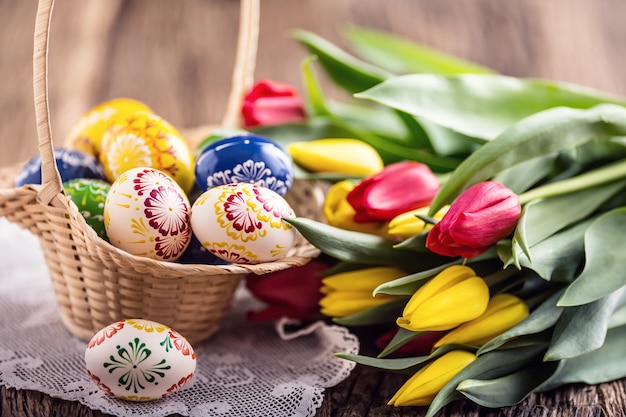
[292,293]
[270,102]
[481,216]
[398,188]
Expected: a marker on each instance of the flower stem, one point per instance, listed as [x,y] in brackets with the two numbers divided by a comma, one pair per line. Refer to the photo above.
[606,174]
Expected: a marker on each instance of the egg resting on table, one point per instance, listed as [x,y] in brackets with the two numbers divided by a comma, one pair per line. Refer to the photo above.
[139,360]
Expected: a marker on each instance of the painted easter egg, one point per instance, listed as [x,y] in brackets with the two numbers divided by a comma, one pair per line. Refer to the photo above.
[139,360]
[89,195]
[86,135]
[147,140]
[245,158]
[146,213]
[71,164]
[216,135]
[242,223]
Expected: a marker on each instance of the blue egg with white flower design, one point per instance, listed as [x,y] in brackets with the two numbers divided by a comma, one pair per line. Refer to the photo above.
[245,158]
[71,163]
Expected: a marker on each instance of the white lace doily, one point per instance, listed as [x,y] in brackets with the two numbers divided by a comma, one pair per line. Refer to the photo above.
[244,370]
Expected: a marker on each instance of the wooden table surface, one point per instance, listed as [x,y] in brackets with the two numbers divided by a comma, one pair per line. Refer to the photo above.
[177,57]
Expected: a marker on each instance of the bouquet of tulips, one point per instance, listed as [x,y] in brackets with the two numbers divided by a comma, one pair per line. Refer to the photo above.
[482,217]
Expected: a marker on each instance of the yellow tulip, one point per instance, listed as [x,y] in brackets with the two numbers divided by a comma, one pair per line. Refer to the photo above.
[339,212]
[424,385]
[407,225]
[344,156]
[454,296]
[503,312]
[350,292]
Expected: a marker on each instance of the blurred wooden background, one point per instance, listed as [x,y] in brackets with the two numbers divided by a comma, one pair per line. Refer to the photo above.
[177,56]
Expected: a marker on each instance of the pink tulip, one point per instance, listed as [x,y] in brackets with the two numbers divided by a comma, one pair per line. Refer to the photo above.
[398,188]
[293,293]
[270,102]
[481,216]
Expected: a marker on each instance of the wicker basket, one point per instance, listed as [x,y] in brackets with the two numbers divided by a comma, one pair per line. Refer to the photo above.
[95,283]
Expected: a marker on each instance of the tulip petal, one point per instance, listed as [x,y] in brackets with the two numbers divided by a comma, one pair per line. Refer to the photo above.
[346,156]
[503,312]
[422,387]
[463,302]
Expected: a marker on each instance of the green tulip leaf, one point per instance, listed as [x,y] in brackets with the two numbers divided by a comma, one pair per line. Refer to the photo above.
[542,318]
[524,175]
[318,127]
[509,389]
[317,102]
[398,364]
[400,55]
[558,257]
[618,318]
[480,105]
[604,364]
[494,364]
[582,329]
[544,133]
[544,217]
[445,141]
[391,364]
[605,263]
[409,284]
[347,71]
[363,248]
[402,337]
[381,314]
[379,121]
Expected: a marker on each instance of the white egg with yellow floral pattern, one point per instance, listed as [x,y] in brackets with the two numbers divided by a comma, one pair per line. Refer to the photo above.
[139,360]
[147,214]
[242,223]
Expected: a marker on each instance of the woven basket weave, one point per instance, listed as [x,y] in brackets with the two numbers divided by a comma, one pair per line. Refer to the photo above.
[95,283]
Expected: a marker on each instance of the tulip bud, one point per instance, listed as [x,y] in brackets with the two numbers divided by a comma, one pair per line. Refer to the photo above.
[452,297]
[293,292]
[398,188]
[424,385]
[350,292]
[481,216]
[503,312]
[269,102]
[407,224]
[339,213]
[344,156]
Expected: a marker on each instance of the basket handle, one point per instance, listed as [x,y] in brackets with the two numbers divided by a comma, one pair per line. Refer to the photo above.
[243,75]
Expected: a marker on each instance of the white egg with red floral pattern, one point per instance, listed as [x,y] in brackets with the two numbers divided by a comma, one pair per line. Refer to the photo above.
[242,223]
[139,360]
[147,214]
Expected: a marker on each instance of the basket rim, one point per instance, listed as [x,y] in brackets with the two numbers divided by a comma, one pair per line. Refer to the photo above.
[63,202]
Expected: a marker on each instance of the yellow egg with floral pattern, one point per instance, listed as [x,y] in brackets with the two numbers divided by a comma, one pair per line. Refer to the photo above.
[147,140]
[87,133]
[147,214]
[242,223]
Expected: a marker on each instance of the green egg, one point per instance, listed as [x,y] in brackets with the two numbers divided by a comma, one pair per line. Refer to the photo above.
[89,196]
